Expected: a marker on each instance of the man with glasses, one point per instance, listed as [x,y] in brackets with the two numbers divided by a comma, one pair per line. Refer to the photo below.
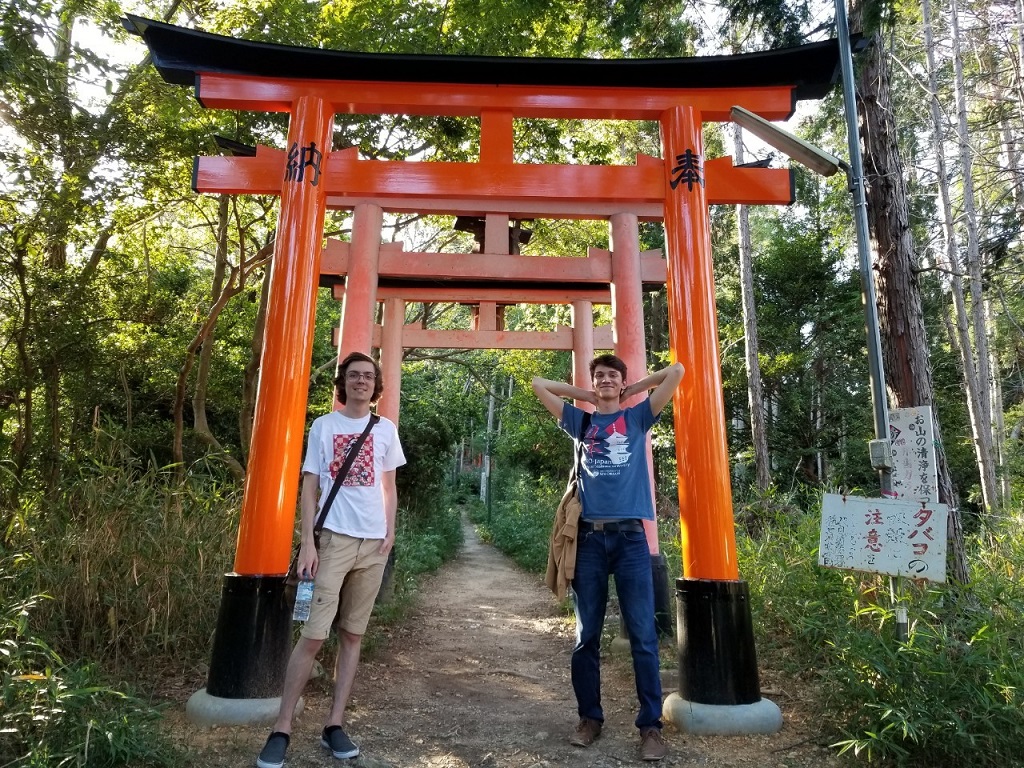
[615,494]
[357,536]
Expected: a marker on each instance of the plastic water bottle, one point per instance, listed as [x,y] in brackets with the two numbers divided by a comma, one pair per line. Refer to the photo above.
[303,600]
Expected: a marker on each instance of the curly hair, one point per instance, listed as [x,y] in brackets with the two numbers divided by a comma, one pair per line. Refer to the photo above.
[339,378]
[608,361]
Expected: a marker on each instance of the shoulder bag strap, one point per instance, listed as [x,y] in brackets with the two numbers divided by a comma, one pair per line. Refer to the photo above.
[350,457]
[579,446]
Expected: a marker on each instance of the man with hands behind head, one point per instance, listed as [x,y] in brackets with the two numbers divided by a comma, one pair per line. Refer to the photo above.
[615,493]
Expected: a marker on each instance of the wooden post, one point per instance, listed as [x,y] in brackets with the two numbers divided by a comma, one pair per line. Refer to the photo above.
[582,346]
[705,496]
[628,327]
[359,307]
[279,422]
[391,358]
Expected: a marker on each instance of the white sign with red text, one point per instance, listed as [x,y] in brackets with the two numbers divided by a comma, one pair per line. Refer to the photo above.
[891,536]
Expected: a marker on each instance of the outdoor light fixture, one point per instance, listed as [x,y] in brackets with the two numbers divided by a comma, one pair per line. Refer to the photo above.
[826,164]
[818,160]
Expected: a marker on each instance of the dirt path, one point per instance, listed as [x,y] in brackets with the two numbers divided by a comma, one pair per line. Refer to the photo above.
[479,677]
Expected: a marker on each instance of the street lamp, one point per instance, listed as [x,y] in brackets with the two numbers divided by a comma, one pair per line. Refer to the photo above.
[815,158]
[826,164]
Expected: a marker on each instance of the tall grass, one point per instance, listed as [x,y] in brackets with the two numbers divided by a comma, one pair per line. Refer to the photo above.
[58,714]
[950,695]
[131,561]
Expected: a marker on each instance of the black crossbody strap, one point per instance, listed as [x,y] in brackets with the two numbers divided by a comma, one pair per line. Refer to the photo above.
[579,446]
[350,457]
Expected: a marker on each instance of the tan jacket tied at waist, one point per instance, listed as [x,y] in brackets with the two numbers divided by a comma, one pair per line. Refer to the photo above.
[562,548]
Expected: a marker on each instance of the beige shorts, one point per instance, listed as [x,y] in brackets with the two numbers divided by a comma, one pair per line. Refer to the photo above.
[350,570]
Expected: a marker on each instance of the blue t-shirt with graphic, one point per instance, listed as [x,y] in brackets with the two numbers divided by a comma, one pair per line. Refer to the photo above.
[614,481]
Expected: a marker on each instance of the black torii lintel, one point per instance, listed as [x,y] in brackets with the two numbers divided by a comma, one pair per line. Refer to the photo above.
[180,54]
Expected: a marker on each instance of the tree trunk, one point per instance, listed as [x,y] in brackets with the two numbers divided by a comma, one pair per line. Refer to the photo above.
[224,289]
[199,420]
[980,354]
[901,318]
[996,407]
[23,388]
[949,261]
[755,390]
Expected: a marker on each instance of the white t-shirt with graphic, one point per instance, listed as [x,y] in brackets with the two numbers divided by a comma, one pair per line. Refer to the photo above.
[358,509]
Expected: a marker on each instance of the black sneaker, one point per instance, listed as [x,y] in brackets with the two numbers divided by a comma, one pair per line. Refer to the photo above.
[272,754]
[338,742]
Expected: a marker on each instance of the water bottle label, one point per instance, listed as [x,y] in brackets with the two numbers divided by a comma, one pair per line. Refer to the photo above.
[303,601]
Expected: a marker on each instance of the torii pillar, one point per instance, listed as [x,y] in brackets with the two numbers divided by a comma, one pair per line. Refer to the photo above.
[582,316]
[719,688]
[631,348]
[355,333]
[391,358]
[250,617]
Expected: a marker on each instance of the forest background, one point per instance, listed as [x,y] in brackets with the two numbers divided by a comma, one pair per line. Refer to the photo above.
[131,327]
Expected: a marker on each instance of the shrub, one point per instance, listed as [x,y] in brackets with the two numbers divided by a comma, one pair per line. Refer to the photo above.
[54,714]
[132,559]
[949,695]
[522,513]
[424,542]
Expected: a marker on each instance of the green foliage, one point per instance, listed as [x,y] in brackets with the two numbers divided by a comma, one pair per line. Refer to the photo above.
[423,543]
[434,410]
[132,561]
[56,714]
[530,439]
[936,700]
[764,510]
[950,695]
[522,512]
[810,325]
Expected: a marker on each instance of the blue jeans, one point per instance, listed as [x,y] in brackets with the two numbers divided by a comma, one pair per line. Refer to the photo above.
[626,556]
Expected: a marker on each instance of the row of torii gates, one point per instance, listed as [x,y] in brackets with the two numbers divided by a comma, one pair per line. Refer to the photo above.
[719,690]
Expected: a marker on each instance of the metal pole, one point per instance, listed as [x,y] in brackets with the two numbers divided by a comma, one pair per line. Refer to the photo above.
[880,450]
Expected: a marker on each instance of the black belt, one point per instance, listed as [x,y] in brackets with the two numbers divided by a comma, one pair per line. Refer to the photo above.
[618,526]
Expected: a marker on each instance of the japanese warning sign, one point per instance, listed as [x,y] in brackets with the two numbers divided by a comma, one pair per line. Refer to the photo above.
[912,439]
[891,536]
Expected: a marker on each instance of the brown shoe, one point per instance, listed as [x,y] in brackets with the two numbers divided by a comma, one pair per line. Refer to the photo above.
[586,732]
[652,746]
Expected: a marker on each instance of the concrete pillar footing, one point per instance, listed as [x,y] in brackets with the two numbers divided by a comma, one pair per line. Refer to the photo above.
[693,717]
[206,711]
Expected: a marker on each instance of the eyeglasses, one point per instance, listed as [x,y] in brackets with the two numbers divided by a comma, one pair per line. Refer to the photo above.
[360,375]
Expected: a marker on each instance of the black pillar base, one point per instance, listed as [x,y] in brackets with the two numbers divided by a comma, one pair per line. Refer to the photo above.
[253,638]
[662,606]
[717,660]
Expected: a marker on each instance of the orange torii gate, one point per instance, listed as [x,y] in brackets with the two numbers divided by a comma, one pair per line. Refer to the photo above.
[718,681]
